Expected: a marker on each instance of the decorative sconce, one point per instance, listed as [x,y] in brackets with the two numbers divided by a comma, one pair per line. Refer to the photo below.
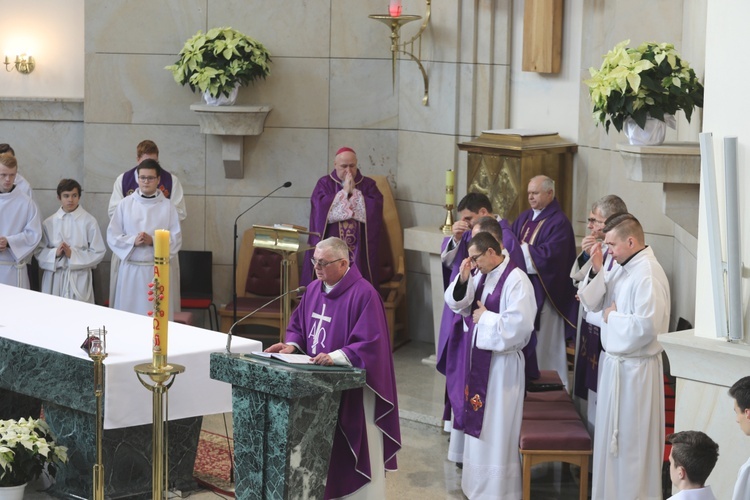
[24,64]
[395,20]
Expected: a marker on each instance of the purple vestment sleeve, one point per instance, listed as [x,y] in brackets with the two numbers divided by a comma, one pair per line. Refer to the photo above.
[365,243]
[352,318]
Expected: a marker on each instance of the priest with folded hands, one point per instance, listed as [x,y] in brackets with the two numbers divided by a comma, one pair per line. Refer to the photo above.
[341,321]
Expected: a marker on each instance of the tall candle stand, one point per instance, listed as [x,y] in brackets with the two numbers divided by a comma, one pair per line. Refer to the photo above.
[447,227]
[97,350]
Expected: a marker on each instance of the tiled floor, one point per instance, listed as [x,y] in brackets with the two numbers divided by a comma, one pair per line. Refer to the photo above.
[423,470]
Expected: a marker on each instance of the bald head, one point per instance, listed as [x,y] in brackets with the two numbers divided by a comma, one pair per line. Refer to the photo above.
[541,192]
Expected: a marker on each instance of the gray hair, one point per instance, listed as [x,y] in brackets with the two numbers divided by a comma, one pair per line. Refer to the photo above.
[337,246]
[609,205]
[547,184]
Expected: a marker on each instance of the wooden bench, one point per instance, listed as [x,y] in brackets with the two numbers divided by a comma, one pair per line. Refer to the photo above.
[552,431]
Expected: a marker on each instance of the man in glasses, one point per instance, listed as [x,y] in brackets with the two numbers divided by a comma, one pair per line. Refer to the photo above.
[341,321]
[126,184]
[499,306]
[20,226]
[347,205]
[130,235]
[588,343]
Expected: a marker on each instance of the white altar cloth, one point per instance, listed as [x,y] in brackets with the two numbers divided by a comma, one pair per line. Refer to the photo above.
[59,324]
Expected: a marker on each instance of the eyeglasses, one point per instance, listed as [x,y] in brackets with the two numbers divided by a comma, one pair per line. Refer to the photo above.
[475,257]
[149,178]
[591,220]
[320,264]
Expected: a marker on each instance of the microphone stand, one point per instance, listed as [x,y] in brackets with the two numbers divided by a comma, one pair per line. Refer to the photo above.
[234,255]
[299,289]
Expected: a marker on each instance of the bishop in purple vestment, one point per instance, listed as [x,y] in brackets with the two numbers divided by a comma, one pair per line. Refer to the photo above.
[541,242]
[341,321]
[347,205]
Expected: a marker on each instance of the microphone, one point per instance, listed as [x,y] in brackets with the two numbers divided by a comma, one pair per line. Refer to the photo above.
[234,256]
[299,289]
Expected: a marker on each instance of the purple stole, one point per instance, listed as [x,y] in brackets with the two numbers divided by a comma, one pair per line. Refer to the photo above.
[529,232]
[589,349]
[475,393]
[130,184]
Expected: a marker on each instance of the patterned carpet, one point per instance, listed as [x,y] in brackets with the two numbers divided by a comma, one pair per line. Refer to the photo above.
[213,463]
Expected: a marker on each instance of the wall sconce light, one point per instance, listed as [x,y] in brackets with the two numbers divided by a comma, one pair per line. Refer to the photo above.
[395,20]
[24,64]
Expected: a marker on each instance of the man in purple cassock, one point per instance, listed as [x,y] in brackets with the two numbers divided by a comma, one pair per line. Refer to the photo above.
[499,306]
[341,321]
[347,205]
[542,243]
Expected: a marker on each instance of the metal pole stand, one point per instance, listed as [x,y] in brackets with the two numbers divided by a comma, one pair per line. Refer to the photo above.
[98,356]
[163,378]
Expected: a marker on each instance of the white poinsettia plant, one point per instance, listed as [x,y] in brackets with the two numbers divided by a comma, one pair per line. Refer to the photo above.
[649,80]
[26,448]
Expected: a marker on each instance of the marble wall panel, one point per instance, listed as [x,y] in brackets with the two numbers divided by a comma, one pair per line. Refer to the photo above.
[423,160]
[485,31]
[418,294]
[355,35]
[110,149]
[684,278]
[482,98]
[419,214]
[276,156]
[194,225]
[221,212]
[142,26]
[46,151]
[362,94]
[298,91]
[124,88]
[288,28]
[377,151]
[46,201]
[222,284]
[440,115]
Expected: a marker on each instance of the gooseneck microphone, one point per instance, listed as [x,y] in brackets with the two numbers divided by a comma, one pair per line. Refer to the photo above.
[299,289]
[234,255]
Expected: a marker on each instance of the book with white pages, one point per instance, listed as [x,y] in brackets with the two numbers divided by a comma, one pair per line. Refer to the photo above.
[295,359]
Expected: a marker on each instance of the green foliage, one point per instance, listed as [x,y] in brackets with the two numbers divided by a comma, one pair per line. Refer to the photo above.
[651,80]
[218,60]
[26,446]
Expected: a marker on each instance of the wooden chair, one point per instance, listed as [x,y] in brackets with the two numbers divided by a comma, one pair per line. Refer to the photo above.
[392,269]
[258,281]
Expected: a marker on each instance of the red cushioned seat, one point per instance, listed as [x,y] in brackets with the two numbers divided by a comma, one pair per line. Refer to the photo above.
[548,377]
[546,410]
[551,396]
[560,435]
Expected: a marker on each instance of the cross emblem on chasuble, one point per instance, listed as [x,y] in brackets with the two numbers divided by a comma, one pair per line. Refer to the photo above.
[318,332]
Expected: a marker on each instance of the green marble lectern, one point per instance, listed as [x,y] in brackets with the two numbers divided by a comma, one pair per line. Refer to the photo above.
[284,419]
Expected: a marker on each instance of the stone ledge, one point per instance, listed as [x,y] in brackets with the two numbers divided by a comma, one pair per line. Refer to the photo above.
[41,109]
[669,163]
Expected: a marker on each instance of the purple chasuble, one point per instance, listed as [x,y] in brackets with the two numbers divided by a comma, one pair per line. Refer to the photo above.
[352,318]
[362,239]
[553,250]
[475,392]
[130,183]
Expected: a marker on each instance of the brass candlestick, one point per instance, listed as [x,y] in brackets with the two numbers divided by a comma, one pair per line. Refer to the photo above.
[447,227]
[163,378]
[97,350]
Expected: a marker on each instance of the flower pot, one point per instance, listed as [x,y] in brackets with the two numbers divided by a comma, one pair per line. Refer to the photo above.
[652,135]
[222,100]
[12,492]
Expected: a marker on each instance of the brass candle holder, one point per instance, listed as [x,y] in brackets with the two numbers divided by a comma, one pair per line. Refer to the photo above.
[447,226]
[97,350]
[162,378]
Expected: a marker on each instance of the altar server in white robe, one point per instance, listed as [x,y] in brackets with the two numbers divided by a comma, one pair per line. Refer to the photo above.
[740,392]
[634,301]
[21,183]
[72,246]
[20,226]
[130,235]
[500,307]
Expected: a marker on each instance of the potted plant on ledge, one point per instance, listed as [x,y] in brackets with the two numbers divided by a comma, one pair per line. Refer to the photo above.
[640,89]
[27,448]
[218,62]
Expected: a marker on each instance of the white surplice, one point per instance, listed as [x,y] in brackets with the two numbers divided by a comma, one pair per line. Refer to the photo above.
[70,277]
[492,465]
[629,439]
[742,485]
[21,225]
[704,493]
[133,215]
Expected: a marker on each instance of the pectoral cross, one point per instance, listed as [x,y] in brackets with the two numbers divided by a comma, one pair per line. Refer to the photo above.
[318,332]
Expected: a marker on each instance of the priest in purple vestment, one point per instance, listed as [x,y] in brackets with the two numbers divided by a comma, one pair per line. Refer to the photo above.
[341,321]
[347,205]
[541,242]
